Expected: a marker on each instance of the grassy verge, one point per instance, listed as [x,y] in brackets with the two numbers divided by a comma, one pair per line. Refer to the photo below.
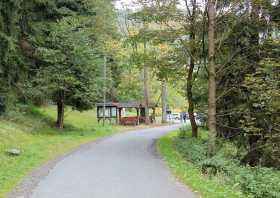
[190,174]
[31,132]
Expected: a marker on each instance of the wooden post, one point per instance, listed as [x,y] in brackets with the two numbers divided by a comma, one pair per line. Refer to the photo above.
[104,90]
[137,109]
[154,115]
[117,116]
[97,113]
[120,115]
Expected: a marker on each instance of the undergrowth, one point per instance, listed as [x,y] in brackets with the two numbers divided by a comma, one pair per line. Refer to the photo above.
[224,167]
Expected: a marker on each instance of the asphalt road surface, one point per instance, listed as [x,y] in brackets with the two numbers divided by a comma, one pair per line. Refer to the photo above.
[122,166]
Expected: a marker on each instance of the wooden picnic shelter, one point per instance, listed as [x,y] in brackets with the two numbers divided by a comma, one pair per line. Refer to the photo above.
[114,112]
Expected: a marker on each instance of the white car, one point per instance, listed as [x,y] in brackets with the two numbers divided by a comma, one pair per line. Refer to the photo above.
[174,117]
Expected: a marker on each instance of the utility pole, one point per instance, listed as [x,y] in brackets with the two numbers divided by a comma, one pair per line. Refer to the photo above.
[164,101]
[104,88]
[146,88]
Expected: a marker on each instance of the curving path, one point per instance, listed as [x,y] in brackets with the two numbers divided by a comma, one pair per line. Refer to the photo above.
[122,166]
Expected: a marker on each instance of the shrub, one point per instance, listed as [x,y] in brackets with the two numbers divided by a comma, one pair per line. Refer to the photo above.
[260,182]
[257,182]
[183,132]
[191,149]
[229,150]
[211,166]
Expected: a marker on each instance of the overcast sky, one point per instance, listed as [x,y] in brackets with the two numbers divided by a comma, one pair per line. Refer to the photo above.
[124,3]
[130,5]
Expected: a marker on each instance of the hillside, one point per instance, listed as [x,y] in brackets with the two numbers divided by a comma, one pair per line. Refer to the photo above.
[32,133]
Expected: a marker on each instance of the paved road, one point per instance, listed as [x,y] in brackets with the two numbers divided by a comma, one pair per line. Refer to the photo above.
[122,166]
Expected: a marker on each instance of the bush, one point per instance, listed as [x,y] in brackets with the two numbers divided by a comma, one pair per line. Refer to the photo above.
[191,149]
[183,132]
[257,182]
[211,166]
[228,150]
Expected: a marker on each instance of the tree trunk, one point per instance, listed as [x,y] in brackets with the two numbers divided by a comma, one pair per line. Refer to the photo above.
[146,89]
[60,111]
[190,99]
[164,101]
[191,70]
[212,77]
[146,95]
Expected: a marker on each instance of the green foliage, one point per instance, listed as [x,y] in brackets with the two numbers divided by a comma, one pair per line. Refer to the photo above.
[190,174]
[182,134]
[225,167]
[30,31]
[68,65]
[130,87]
[213,166]
[260,182]
[261,117]
[11,66]
[190,149]
[247,61]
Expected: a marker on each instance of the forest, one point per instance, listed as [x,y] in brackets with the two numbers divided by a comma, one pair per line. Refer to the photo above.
[217,60]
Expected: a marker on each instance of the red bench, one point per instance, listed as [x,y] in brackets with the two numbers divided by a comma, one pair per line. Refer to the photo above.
[129,120]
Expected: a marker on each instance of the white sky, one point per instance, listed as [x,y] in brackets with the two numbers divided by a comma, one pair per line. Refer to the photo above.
[131,5]
[125,3]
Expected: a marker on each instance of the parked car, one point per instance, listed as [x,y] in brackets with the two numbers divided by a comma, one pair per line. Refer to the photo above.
[175,116]
[201,118]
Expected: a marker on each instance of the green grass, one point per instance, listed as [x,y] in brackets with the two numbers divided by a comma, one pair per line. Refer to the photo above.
[39,142]
[189,174]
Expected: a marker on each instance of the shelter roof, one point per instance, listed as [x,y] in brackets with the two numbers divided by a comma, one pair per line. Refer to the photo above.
[125,104]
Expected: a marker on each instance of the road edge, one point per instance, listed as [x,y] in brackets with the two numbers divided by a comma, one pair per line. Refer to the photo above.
[25,187]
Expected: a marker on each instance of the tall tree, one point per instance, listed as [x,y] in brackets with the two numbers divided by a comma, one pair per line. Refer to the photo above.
[242,53]
[192,13]
[180,26]
[139,41]
[12,68]
[68,73]
[212,76]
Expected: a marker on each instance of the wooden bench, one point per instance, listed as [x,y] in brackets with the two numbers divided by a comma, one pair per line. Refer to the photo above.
[129,120]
